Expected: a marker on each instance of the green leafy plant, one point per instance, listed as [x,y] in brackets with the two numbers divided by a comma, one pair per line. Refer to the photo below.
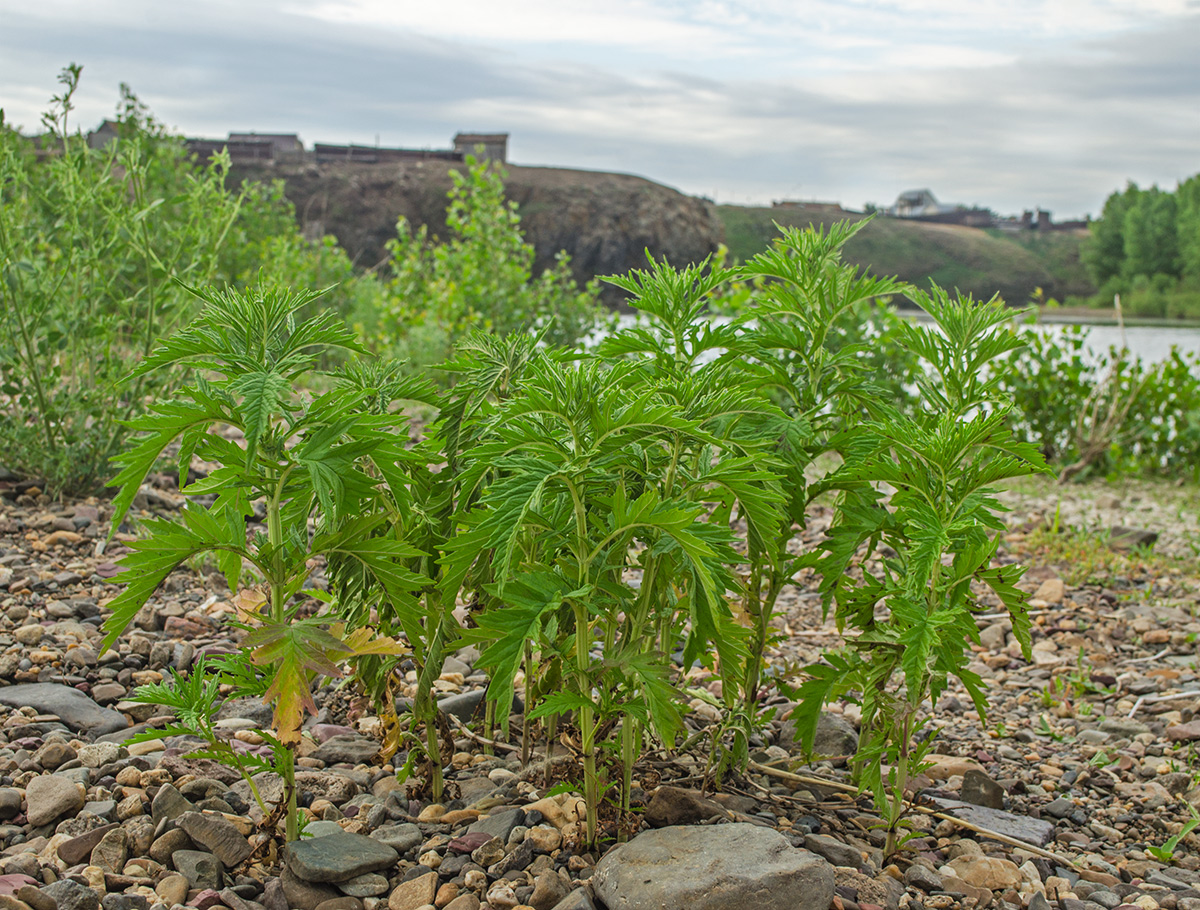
[902,572]
[1166,853]
[89,242]
[195,697]
[481,277]
[577,479]
[333,478]
[802,332]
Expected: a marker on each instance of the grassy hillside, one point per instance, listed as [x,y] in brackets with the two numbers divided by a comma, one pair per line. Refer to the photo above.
[979,262]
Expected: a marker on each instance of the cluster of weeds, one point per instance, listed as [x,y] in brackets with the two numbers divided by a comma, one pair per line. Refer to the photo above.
[582,506]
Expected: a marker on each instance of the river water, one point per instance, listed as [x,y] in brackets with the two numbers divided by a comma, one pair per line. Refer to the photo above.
[1152,343]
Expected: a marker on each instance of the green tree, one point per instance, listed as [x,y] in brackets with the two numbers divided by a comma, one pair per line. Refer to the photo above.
[1187,226]
[1151,242]
[1104,252]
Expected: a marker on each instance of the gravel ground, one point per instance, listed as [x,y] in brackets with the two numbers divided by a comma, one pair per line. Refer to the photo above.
[1086,759]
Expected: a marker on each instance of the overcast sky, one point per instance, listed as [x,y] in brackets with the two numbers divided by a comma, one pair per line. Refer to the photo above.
[1008,104]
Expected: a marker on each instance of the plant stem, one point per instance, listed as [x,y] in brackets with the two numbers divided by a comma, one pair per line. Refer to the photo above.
[630,733]
[526,732]
[424,707]
[587,726]
[287,768]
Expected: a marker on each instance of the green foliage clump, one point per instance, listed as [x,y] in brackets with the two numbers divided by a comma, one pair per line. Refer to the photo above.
[481,277]
[90,242]
[1104,412]
[586,507]
[336,482]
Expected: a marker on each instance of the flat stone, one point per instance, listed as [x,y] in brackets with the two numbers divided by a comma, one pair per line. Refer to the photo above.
[1184,733]
[217,835]
[548,890]
[414,893]
[164,846]
[75,709]
[943,767]
[835,737]
[989,872]
[1059,808]
[578,899]
[111,852]
[302,895]
[352,749]
[680,806]
[96,755]
[1123,538]
[499,824]
[1036,831]
[337,857]
[465,705]
[70,895]
[51,796]
[1124,727]
[340,903]
[922,877]
[235,901]
[718,867]
[400,838]
[35,898]
[370,884]
[835,851]
[169,803]
[10,802]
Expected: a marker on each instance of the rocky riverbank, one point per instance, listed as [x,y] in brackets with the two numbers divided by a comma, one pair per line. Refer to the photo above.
[1085,762]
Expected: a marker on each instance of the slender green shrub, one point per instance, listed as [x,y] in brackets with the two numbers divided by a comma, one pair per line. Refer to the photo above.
[91,241]
[334,476]
[480,277]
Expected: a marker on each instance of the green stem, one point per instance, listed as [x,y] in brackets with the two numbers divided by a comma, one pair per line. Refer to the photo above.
[526,731]
[587,726]
[630,734]
[763,609]
[27,343]
[489,725]
[287,770]
[424,707]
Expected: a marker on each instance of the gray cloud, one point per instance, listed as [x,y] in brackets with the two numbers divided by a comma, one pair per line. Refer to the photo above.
[1059,130]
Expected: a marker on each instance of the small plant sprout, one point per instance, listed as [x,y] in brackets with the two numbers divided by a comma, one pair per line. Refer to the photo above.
[1166,853]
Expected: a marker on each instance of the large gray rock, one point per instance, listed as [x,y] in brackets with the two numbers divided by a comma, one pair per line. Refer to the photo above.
[75,709]
[717,867]
[1036,831]
[51,796]
[70,895]
[337,857]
